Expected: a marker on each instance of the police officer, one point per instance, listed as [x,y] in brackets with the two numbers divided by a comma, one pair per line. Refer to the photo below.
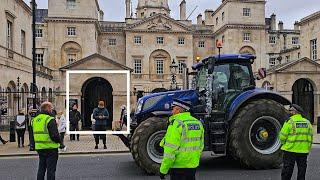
[296,137]
[47,141]
[183,144]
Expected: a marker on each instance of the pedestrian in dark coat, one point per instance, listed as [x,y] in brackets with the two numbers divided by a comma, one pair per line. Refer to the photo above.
[74,117]
[21,122]
[101,115]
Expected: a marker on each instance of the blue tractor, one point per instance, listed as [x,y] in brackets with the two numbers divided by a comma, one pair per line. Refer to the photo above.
[240,120]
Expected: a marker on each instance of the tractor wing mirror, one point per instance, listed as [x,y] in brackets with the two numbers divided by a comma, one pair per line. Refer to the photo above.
[262,73]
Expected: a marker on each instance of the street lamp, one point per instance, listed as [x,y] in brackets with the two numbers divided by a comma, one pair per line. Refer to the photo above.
[18,89]
[173,68]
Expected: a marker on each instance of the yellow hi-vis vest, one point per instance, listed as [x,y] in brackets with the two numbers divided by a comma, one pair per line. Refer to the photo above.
[296,135]
[41,134]
[183,143]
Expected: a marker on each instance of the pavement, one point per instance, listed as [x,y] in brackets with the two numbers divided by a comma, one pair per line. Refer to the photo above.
[84,146]
[121,166]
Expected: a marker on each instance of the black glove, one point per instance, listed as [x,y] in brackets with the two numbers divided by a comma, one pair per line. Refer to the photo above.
[162,176]
[62,146]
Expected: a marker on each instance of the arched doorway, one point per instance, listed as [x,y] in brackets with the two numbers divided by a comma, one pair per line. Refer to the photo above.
[304,97]
[94,90]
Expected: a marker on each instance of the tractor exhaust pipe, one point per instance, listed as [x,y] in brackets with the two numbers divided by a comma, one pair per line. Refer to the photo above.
[185,78]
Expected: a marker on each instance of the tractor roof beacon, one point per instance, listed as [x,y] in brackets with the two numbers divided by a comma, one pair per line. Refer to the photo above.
[240,120]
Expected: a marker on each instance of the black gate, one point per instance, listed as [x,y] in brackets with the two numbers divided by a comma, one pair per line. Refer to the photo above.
[94,90]
[304,97]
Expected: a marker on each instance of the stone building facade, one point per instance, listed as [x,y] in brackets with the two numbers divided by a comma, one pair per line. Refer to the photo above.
[71,32]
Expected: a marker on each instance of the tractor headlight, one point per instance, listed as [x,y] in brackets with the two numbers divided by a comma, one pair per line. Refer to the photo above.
[139,106]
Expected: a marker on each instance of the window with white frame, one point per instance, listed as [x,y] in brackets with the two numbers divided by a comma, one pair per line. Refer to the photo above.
[23,42]
[272,62]
[39,33]
[39,59]
[71,4]
[180,66]
[71,31]
[313,48]
[222,16]
[246,12]
[137,64]
[137,40]
[160,40]
[159,66]
[272,39]
[288,58]
[247,37]
[181,40]
[217,21]
[201,44]
[72,58]
[295,40]
[222,38]
[112,42]
[9,35]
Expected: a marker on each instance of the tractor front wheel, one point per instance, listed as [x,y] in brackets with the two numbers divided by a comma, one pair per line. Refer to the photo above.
[254,134]
[145,146]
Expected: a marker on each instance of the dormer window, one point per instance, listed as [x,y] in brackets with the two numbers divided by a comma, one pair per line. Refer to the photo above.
[71,4]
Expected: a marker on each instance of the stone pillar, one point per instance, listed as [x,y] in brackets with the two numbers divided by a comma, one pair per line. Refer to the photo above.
[199,19]
[208,17]
[183,10]
[280,25]
[128,9]
[273,22]
[296,25]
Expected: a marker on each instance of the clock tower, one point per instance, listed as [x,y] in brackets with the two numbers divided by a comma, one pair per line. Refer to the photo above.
[147,8]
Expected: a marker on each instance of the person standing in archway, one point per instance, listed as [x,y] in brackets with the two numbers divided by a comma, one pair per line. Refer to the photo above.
[101,115]
[75,117]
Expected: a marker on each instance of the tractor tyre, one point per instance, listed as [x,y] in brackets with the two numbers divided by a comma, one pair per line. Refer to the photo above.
[254,134]
[145,147]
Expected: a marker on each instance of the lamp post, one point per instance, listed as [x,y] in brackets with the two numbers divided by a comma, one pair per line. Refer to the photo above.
[18,90]
[34,82]
[173,69]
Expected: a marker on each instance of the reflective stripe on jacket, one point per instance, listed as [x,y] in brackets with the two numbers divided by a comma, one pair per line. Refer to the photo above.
[296,135]
[183,143]
[41,134]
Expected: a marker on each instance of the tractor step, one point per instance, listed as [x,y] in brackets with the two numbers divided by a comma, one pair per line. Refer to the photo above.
[218,136]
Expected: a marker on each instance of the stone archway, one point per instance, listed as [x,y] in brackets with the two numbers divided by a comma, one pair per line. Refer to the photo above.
[94,90]
[159,59]
[303,95]
[247,50]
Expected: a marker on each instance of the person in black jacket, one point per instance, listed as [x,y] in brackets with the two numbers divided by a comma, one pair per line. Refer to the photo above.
[75,117]
[101,115]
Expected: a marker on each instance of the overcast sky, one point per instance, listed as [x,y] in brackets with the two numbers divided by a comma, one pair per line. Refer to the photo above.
[286,10]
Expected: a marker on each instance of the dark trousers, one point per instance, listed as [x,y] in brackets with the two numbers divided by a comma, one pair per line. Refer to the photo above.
[48,159]
[289,160]
[20,134]
[62,134]
[183,174]
[74,128]
[100,136]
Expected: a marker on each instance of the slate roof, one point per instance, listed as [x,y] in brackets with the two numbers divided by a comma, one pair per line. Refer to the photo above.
[41,14]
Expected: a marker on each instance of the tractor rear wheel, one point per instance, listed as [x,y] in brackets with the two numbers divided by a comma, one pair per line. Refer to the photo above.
[145,147]
[254,134]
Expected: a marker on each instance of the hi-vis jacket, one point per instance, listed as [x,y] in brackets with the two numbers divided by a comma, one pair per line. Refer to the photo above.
[183,143]
[296,135]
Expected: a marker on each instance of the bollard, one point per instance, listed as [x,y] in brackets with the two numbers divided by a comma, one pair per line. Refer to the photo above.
[12,131]
[318,125]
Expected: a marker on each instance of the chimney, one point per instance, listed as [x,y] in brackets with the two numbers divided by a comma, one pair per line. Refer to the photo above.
[273,23]
[128,9]
[296,25]
[183,10]
[208,17]
[199,19]
[280,26]
[101,15]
